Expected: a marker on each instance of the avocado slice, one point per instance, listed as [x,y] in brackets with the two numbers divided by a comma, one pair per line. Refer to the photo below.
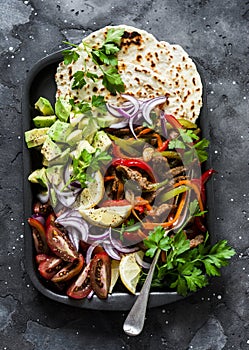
[62,109]
[101,141]
[59,131]
[54,174]
[42,121]
[74,137]
[35,137]
[44,106]
[104,121]
[61,159]
[50,149]
[39,177]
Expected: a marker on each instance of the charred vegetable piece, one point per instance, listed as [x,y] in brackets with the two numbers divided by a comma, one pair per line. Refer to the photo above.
[50,266]
[50,219]
[40,258]
[69,271]
[82,286]
[100,274]
[39,236]
[60,244]
[42,209]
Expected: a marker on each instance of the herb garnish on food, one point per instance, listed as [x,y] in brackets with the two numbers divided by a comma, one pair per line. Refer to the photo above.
[88,161]
[186,268]
[105,55]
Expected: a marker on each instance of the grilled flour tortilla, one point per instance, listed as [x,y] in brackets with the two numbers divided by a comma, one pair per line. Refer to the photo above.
[148,68]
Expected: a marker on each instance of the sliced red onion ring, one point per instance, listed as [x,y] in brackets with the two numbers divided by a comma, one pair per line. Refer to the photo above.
[119,247]
[113,110]
[142,263]
[112,252]
[131,127]
[62,193]
[101,236]
[119,125]
[90,251]
[149,105]
[133,100]
[77,224]
[74,236]
[70,212]
[133,114]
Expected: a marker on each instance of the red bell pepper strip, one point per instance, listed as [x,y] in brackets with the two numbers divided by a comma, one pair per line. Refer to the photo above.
[206,175]
[173,121]
[202,181]
[164,146]
[138,163]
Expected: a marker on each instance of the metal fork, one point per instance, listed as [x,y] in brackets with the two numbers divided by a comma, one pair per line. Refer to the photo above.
[134,322]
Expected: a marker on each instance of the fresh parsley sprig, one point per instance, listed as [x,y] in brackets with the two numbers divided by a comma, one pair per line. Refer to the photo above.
[186,140]
[186,269]
[97,102]
[105,55]
[86,164]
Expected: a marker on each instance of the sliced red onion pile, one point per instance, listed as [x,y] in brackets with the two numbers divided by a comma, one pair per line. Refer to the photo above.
[78,230]
[76,226]
[133,111]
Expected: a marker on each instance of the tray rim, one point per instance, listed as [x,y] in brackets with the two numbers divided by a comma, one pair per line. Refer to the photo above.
[118,301]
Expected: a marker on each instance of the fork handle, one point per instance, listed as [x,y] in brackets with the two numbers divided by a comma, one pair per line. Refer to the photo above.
[134,322]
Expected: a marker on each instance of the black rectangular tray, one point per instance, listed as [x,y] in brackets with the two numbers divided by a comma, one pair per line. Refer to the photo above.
[40,82]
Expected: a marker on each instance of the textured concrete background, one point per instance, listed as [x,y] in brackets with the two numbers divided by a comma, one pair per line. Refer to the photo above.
[215,32]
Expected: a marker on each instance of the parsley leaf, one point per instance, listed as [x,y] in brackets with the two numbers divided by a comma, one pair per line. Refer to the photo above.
[90,162]
[114,35]
[98,101]
[185,137]
[188,135]
[110,49]
[186,269]
[92,76]
[194,209]
[100,57]
[113,81]
[70,56]
[79,80]
[100,157]
[152,241]
[200,148]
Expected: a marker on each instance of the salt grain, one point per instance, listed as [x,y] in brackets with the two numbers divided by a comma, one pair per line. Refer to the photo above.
[219,297]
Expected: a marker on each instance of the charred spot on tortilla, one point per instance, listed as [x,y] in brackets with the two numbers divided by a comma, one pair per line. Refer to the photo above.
[139,58]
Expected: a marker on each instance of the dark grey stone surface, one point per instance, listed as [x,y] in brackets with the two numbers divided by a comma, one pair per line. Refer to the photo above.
[216,32]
